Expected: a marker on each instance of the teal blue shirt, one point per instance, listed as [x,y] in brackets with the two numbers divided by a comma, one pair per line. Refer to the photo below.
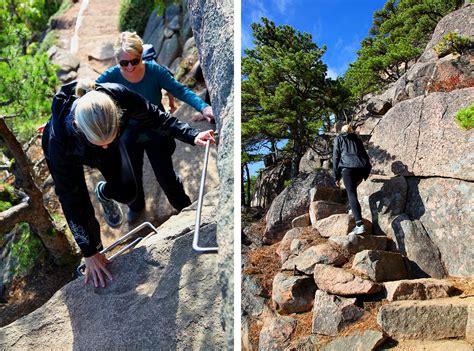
[155,79]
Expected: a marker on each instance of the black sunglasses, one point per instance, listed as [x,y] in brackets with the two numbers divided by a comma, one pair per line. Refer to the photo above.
[134,62]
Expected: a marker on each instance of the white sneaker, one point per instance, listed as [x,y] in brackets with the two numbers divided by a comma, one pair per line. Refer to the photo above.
[359,229]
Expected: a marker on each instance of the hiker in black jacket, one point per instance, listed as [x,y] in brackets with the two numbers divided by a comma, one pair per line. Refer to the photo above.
[350,160]
[88,126]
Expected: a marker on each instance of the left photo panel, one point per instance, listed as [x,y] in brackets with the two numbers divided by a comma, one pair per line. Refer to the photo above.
[117,174]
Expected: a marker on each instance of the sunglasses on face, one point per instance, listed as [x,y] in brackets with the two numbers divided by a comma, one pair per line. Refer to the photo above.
[134,62]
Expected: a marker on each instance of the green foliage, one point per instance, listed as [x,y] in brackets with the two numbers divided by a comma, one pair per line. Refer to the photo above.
[5,205]
[7,193]
[399,33]
[452,43]
[285,92]
[465,117]
[287,183]
[49,40]
[27,250]
[28,79]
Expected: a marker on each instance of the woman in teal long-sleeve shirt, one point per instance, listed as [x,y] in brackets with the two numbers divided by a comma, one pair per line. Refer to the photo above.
[148,79]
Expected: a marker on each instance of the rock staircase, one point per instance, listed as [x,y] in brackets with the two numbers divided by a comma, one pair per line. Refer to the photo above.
[333,275]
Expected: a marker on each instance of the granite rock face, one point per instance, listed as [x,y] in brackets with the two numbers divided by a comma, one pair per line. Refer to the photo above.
[162,284]
[367,340]
[293,202]
[269,183]
[420,137]
[212,23]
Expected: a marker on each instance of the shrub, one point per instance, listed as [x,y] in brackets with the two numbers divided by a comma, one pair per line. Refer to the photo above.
[465,117]
[133,15]
[27,250]
[452,43]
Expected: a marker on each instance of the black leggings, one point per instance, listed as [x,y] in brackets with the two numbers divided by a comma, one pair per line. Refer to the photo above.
[352,177]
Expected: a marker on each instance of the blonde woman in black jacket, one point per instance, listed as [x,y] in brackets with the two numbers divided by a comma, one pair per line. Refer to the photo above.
[351,162]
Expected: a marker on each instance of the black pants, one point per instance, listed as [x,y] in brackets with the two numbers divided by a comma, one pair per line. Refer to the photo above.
[159,152]
[352,177]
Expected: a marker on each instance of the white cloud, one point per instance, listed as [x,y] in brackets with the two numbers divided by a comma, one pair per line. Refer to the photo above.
[331,73]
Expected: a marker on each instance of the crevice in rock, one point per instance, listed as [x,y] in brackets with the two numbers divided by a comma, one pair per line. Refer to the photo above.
[439,176]
[419,133]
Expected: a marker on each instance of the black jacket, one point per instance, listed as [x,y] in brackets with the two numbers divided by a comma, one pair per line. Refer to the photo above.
[66,152]
[349,152]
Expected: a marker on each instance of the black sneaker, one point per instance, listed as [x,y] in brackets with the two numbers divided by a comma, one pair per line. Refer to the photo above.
[112,212]
[132,216]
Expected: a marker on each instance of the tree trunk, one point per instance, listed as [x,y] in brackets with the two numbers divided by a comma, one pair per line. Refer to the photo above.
[249,195]
[37,215]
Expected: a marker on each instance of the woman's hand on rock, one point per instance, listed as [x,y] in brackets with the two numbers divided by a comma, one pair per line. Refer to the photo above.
[96,270]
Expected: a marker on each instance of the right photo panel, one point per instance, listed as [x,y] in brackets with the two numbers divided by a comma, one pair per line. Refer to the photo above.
[357,175]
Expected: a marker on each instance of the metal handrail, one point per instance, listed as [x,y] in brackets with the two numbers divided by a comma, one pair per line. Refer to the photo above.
[122,239]
[197,225]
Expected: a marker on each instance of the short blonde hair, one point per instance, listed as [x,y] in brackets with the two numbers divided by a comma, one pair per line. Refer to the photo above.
[97,116]
[83,86]
[128,42]
[347,128]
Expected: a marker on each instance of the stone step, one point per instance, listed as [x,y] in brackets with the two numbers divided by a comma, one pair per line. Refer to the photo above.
[381,266]
[292,294]
[353,244]
[418,289]
[427,320]
[429,345]
[322,253]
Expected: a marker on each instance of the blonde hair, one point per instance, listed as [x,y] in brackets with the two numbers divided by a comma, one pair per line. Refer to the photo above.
[347,128]
[83,86]
[128,42]
[97,116]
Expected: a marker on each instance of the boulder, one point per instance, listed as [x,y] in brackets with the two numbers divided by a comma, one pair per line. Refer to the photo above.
[153,23]
[293,202]
[416,138]
[103,52]
[270,182]
[305,343]
[301,221]
[292,294]
[168,33]
[418,289]
[426,320]
[186,31]
[369,125]
[341,282]
[66,61]
[333,313]
[330,194]
[284,248]
[381,199]
[322,209]
[444,208]
[299,245]
[353,244]
[158,284]
[189,45]
[380,265]
[335,225]
[365,341]
[412,240]
[253,302]
[310,161]
[169,50]
[322,253]
[276,333]
[430,345]
[174,24]
[470,325]
[378,106]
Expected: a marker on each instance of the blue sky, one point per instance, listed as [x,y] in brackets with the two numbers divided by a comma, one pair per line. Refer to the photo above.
[339,24]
